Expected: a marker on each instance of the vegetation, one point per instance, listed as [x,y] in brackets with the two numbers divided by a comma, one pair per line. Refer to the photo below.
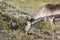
[8,31]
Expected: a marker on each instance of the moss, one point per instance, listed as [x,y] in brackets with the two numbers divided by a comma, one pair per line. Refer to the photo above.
[18,34]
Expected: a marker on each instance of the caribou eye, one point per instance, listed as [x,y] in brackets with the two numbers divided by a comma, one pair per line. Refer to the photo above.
[25,23]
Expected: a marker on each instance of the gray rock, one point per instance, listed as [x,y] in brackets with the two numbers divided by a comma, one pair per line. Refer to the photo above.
[35,30]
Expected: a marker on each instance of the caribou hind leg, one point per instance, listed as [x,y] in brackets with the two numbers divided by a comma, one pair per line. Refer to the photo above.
[53,26]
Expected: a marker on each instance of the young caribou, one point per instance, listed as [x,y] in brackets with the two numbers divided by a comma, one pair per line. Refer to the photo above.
[49,12]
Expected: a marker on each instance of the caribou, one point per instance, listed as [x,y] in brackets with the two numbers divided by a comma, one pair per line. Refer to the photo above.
[50,12]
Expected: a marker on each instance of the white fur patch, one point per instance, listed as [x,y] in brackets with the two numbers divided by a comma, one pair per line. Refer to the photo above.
[41,13]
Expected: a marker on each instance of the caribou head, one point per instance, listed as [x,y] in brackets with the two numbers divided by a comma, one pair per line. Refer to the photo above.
[28,25]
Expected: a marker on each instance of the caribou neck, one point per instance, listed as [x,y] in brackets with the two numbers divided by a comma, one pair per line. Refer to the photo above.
[40,14]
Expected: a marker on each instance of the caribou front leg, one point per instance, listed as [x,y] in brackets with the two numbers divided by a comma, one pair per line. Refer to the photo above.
[53,26]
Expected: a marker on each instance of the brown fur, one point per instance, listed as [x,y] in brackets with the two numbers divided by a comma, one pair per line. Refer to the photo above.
[53,7]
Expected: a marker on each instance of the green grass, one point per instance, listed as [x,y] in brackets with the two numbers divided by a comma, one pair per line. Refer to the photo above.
[31,4]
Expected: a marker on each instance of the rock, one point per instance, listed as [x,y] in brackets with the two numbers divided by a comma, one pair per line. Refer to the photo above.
[14,25]
[35,30]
